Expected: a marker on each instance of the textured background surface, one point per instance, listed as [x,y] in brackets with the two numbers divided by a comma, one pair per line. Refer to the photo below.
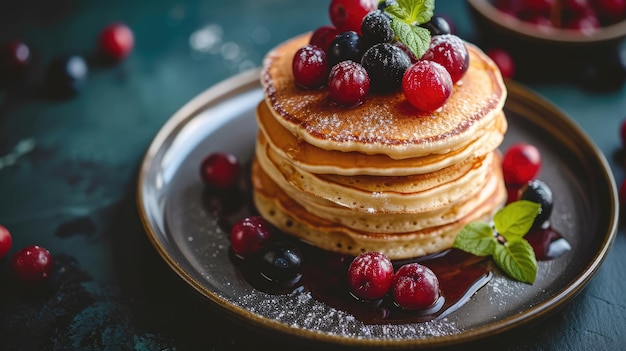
[68,175]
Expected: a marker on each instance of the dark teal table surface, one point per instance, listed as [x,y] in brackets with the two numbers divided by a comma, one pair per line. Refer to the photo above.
[68,176]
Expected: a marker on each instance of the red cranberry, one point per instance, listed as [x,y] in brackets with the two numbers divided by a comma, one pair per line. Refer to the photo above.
[348,83]
[503,60]
[15,56]
[415,287]
[116,41]
[249,235]
[32,264]
[5,241]
[622,132]
[426,85]
[622,193]
[370,275]
[220,170]
[310,67]
[323,36]
[521,163]
[449,51]
[348,15]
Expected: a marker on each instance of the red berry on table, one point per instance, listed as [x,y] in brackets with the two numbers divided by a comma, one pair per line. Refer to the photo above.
[220,170]
[503,60]
[427,85]
[249,235]
[310,67]
[415,287]
[15,56]
[622,193]
[622,132]
[348,15]
[348,84]
[521,163]
[449,51]
[5,241]
[323,36]
[370,275]
[32,264]
[116,41]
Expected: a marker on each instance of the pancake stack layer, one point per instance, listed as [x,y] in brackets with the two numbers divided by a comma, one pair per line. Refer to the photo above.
[381,176]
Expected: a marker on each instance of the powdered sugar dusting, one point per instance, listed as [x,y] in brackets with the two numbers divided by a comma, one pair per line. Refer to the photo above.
[302,311]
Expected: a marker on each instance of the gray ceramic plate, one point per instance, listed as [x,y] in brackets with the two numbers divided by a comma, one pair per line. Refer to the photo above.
[192,241]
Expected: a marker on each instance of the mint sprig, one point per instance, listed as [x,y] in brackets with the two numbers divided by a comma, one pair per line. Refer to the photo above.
[504,241]
[406,16]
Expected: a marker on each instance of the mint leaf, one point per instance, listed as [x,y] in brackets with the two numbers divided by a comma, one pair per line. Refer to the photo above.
[419,11]
[516,219]
[398,12]
[416,39]
[515,256]
[476,238]
[517,259]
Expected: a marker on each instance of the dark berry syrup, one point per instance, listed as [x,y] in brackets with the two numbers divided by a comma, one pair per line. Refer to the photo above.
[324,273]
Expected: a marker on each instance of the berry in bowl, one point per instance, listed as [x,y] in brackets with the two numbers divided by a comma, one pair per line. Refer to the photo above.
[563,39]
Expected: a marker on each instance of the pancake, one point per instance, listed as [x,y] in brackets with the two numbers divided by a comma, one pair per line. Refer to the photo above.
[385,123]
[317,160]
[370,194]
[292,218]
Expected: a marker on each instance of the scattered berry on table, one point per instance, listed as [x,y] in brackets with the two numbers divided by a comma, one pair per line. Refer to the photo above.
[310,67]
[249,235]
[66,75]
[385,64]
[539,192]
[32,264]
[5,241]
[521,163]
[323,36]
[622,132]
[427,85]
[220,170]
[503,60]
[449,51]
[622,192]
[347,15]
[116,41]
[370,276]
[348,84]
[345,46]
[280,261]
[415,287]
[14,56]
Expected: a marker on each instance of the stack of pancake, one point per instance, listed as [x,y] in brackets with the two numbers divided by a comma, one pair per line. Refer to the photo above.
[381,176]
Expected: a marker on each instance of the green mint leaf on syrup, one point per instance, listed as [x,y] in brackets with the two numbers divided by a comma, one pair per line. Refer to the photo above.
[406,16]
[511,253]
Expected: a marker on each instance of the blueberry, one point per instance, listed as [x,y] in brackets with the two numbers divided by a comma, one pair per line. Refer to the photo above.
[280,261]
[345,46]
[376,28]
[67,74]
[385,64]
[539,192]
[437,26]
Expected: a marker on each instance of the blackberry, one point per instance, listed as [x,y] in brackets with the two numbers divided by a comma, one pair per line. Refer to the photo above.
[385,64]
[376,28]
[539,192]
[437,26]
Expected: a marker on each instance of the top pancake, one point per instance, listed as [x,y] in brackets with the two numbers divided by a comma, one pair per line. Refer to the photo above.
[385,123]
